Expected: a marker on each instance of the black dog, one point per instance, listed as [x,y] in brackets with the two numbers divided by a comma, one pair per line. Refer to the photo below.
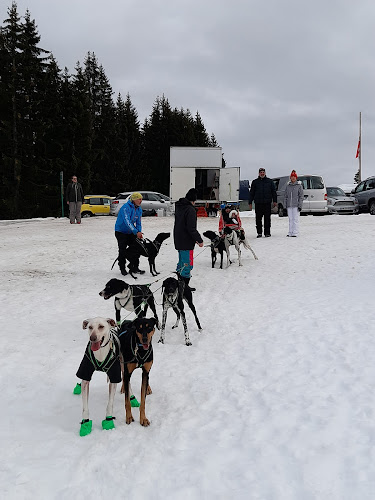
[129,297]
[136,349]
[217,246]
[173,293]
[147,248]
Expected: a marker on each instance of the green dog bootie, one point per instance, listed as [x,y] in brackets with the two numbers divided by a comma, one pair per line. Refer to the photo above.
[86,427]
[134,402]
[77,389]
[108,423]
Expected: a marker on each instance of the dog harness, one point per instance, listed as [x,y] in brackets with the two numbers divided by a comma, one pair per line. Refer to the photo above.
[156,244]
[110,365]
[132,350]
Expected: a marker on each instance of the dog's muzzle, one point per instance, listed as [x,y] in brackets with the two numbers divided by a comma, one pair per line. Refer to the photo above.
[96,344]
[104,295]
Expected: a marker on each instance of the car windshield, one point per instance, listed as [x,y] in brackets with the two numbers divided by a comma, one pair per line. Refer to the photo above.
[334,191]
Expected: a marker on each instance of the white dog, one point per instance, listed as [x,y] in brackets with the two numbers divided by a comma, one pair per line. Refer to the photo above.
[101,354]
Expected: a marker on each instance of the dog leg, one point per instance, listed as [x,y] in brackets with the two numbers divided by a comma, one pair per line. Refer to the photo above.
[142,410]
[151,303]
[118,316]
[192,307]
[163,322]
[221,260]
[177,311]
[228,251]
[86,424]
[85,399]
[130,367]
[108,424]
[239,256]
[186,333]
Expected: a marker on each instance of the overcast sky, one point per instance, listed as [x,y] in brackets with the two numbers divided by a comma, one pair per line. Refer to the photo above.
[279,82]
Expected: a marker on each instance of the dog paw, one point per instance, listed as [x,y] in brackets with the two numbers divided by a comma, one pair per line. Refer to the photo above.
[188,342]
[130,419]
[148,391]
[161,341]
[144,422]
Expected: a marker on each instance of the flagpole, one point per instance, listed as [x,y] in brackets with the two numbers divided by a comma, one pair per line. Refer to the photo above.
[360,146]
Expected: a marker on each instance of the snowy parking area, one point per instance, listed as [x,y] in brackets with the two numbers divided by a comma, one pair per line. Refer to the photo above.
[273,401]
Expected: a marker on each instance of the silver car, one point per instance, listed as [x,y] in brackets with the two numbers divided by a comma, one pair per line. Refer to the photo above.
[151,203]
[339,203]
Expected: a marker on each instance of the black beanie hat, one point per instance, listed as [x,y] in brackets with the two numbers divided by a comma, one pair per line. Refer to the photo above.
[191,195]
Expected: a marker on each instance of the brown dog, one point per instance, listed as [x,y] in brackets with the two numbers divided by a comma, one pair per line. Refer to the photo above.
[136,348]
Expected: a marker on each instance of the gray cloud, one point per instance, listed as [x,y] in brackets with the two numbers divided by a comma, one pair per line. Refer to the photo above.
[280,84]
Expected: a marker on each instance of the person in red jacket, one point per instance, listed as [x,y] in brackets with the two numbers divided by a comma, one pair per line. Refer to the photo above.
[231,218]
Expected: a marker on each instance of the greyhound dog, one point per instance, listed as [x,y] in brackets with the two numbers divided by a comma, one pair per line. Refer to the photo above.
[101,354]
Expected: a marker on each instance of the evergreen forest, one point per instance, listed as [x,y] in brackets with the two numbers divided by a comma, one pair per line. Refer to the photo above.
[52,121]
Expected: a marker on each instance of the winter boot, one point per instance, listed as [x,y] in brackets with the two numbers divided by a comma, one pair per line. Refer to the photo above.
[186,281]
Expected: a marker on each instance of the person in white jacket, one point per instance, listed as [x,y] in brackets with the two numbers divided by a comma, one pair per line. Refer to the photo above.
[293,200]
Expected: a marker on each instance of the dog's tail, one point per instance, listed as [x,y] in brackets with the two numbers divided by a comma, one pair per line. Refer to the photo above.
[114,263]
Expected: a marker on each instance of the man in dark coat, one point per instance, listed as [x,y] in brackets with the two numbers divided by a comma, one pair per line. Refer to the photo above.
[185,233]
[74,198]
[263,193]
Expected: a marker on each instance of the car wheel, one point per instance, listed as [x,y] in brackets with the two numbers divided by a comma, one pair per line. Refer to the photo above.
[86,214]
[280,211]
[372,207]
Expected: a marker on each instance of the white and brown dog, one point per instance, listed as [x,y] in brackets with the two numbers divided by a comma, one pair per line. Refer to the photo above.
[101,354]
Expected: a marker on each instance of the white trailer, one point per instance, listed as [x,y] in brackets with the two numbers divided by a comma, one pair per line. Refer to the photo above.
[201,168]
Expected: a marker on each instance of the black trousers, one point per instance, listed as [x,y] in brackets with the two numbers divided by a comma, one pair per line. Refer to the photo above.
[123,241]
[263,210]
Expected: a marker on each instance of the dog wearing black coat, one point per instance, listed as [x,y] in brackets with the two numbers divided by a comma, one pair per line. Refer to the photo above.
[147,248]
[217,247]
[136,349]
[174,293]
[130,297]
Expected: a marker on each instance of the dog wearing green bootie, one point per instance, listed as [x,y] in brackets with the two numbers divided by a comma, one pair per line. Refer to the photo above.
[102,354]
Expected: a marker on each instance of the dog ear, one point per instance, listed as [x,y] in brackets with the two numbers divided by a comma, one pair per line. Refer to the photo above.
[111,321]
[153,321]
[136,323]
[85,323]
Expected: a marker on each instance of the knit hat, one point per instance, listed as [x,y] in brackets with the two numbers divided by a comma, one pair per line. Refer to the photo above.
[136,196]
[192,194]
[294,174]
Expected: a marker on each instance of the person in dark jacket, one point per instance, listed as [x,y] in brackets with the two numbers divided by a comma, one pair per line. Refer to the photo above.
[185,233]
[263,193]
[74,198]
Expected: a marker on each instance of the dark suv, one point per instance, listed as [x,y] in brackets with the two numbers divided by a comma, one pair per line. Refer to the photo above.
[365,194]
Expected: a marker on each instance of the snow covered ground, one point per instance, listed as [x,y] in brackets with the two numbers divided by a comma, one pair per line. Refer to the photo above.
[274,399]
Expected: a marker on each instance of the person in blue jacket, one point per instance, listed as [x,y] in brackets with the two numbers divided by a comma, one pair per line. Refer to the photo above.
[128,227]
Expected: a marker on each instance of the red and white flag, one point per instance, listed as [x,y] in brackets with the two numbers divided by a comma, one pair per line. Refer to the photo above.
[358,149]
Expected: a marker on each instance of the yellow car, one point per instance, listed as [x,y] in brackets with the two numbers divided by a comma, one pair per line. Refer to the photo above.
[96,204]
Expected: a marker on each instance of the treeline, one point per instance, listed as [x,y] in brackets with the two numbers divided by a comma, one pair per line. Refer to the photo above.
[52,121]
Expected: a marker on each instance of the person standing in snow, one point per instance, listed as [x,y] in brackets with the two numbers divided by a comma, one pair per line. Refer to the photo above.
[74,198]
[185,234]
[293,200]
[128,227]
[263,193]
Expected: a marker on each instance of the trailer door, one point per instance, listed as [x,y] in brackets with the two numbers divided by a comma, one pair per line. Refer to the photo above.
[181,180]
[229,184]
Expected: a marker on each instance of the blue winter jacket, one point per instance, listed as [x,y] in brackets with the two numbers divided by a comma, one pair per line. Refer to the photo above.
[129,219]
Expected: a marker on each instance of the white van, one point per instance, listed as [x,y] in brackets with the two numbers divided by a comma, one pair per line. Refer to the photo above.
[314,194]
